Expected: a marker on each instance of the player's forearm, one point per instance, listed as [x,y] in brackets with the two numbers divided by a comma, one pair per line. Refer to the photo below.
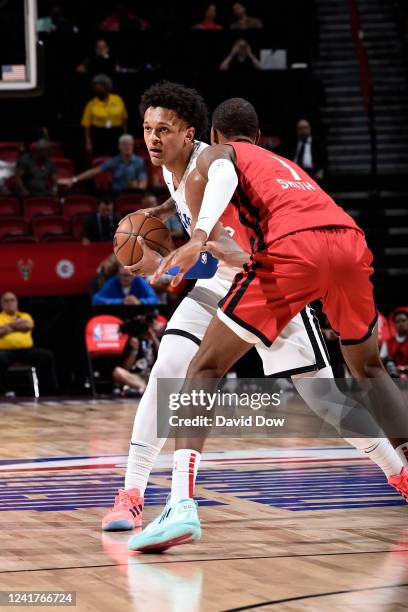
[165,210]
[5,329]
[222,182]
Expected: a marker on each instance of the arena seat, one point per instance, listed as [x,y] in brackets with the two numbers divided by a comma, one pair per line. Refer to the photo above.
[19,239]
[77,225]
[9,151]
[49,224]
[103,181]
[40,205]
[57,238]
[13,226]
[103,339]
[77,204]
[65,167]
[9,206]
[125,208]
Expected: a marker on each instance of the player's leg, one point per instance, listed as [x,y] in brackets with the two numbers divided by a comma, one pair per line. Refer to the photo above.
[174,356]
[364,361]
[179,524]
[178,346]
[300,352]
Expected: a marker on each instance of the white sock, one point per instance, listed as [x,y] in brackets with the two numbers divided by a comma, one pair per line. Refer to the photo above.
[173,359]
[185,467]
[402,451]
[380,451]
[141,460]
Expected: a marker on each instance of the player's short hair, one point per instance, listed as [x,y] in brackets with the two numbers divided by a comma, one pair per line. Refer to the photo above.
[186,102]
[236,117]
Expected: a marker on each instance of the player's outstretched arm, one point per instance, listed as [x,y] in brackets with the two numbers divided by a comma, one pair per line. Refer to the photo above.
[215,164]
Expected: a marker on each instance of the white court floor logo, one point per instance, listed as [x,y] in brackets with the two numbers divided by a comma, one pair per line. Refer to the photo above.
[65,268]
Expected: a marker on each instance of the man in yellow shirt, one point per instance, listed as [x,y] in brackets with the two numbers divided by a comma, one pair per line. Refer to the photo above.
[16,345]
[104,118]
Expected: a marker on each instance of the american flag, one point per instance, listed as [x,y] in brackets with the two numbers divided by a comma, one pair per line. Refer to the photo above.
[14,72]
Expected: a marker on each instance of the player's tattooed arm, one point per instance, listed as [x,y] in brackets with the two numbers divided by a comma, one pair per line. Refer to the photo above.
[163,211]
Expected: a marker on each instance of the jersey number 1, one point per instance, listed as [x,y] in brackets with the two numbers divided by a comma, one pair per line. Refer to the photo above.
[291,170]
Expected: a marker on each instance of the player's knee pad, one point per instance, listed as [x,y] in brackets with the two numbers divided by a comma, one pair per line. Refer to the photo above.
[174,357]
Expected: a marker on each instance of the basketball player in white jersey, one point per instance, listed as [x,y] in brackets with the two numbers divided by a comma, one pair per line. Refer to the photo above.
[174,117]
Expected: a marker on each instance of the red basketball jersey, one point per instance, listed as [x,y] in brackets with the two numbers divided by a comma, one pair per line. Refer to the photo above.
[275,197]
[233,227]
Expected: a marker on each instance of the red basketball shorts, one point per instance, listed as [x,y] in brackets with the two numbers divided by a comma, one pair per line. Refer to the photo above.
[330,264]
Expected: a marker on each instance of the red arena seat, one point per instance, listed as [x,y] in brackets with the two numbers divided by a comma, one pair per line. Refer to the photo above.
[49,225]
[9,151]
[125,208]
[40,205]
[77,204]
[19,239]
[9,206]
[103,181]
[77,225]
[65,167]
[13,226]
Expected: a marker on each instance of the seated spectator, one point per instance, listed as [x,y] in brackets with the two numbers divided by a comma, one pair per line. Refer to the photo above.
[128,170]
[122,20]
[100,226]
[139,356]
[241,58]
[308,153]
[126,289]
[104,118]
[100,62]
[209,23]
[107,268]
[241,21]
[16,345]
[36,174]
[394,352]
[56,21]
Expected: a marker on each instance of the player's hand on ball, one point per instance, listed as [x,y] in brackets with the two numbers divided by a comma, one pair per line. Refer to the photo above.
[184,257]
[149,262]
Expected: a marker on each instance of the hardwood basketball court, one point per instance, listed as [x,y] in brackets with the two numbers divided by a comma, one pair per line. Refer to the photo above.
[287,524]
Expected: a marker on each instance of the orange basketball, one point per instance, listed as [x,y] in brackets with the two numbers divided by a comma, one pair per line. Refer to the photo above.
[125,244]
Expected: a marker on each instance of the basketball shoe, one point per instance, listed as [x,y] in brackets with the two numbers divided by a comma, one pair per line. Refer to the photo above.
[126,513]
[177,524]
[400,482]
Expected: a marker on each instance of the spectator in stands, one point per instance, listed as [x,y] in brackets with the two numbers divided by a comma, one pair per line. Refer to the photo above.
[394,351]
[209,23]
[100,226]
[36,174]
[100,61]
[107,268]
[56,21]
[240,58]
[126,289]
[241,21]
[139,356]
[104,118]
[122,20]
[16,345]
[128,170]
[309,153]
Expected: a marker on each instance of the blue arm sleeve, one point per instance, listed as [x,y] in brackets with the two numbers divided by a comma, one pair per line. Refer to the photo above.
[205,267]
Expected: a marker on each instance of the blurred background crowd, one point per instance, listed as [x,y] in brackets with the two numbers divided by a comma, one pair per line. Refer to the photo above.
[329,81]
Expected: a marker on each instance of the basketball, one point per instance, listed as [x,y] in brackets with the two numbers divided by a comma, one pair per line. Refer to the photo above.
[125,244]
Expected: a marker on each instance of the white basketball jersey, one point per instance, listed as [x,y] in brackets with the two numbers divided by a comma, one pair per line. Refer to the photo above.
[179,194]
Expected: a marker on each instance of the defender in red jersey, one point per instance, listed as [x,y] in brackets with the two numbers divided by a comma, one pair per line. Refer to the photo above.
[304,247]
